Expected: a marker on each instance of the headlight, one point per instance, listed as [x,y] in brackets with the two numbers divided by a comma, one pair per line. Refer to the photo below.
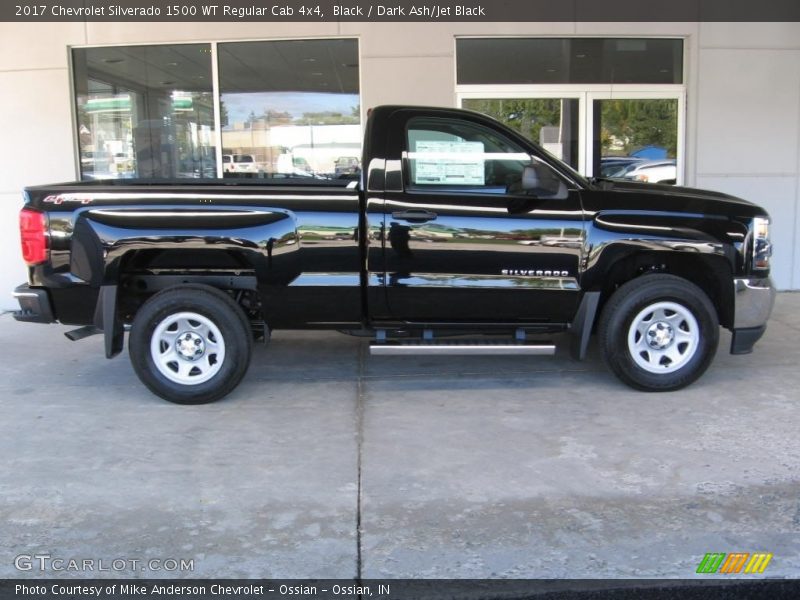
[762,247]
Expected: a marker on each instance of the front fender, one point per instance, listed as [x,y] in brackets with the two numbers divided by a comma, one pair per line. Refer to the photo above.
[623,247]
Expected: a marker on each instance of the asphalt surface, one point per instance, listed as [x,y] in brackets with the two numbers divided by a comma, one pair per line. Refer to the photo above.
[329,463]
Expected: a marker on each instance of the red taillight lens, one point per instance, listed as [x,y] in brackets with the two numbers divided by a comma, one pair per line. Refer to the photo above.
[33,233]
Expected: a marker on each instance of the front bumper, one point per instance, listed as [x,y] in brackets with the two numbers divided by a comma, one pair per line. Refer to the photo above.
[34,304]
[753,302]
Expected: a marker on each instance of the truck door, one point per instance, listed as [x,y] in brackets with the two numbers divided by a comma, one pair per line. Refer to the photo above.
[463,242]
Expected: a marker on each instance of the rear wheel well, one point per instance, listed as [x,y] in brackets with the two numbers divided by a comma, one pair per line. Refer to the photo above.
[143,273]
[184,259]
[710,273]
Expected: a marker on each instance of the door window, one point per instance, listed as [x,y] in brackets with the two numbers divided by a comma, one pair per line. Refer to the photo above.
[447,155]
[636,139]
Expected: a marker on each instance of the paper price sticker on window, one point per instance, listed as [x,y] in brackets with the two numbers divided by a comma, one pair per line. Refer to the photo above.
[449,163]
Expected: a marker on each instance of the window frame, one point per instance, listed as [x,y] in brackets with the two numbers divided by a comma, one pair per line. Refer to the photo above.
[586,97]
[586,94]
[215,84]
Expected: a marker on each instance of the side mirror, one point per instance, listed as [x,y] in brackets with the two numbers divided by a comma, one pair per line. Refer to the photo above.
[540,181]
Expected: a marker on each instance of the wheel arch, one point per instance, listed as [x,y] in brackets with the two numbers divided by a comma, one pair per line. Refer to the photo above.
[711,273]
[143,273]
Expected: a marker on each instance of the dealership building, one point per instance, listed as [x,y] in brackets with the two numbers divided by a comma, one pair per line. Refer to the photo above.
[710,105]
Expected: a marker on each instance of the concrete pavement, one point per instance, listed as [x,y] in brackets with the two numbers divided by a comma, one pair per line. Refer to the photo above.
[453,467]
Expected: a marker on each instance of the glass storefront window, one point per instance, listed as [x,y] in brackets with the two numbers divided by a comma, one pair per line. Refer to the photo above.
[609,107]
[550,122]
[569,60]
[145,111]
[290,109]
[636,139]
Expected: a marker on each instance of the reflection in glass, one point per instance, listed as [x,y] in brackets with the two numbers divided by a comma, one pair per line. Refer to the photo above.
[550,122]
[145,111]
[636,139]
[290,109]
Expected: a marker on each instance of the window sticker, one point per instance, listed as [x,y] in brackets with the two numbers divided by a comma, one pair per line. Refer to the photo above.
[449,163]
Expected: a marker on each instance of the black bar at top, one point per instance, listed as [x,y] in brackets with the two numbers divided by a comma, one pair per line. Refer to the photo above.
[403,10]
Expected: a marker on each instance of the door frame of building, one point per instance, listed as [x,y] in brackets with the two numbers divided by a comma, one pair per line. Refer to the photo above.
[586,95]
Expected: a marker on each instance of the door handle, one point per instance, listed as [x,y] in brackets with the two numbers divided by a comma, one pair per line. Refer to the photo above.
[414,215]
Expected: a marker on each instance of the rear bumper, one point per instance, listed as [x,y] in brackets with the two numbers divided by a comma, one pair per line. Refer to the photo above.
[34,304]
[754,299]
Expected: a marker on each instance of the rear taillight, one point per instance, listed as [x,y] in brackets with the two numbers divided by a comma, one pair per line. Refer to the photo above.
[33,234]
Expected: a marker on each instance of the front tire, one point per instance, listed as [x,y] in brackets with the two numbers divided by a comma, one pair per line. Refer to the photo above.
[658,333]
[190,344]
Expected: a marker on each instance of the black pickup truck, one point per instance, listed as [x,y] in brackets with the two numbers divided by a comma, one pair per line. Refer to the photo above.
[460,237]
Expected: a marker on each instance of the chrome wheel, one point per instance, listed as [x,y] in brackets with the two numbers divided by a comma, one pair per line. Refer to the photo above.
[663,337]
[187,348]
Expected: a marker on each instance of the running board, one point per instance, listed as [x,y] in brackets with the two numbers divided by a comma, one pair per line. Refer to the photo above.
[461,348]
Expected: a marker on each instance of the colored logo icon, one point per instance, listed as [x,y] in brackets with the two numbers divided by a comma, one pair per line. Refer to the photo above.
[735,562]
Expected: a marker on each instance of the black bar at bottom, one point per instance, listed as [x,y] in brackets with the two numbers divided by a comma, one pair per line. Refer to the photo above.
[399,589]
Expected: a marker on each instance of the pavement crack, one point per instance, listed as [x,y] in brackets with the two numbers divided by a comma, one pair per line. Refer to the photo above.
[360,397]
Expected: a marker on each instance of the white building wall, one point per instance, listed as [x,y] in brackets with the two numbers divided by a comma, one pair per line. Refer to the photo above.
[743,100]
[748,125]
[36,140]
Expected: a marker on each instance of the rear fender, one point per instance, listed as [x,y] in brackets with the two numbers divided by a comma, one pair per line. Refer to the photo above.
[104,237]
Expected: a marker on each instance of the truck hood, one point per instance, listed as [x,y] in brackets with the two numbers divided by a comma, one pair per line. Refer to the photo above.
[652,197]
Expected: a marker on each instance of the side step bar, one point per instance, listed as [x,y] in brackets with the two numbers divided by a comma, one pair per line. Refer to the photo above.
[461,348]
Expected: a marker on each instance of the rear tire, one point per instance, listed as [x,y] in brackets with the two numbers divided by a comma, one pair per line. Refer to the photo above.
[658,333]
[190,344]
